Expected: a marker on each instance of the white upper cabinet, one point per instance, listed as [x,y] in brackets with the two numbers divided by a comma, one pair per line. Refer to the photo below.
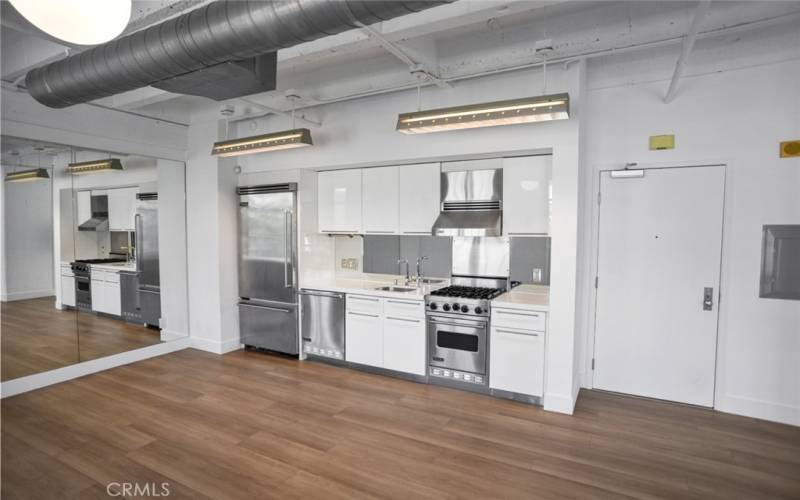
[380,200]
[339,201]
[420,197]
[526,195]
[121,209]
[84,207]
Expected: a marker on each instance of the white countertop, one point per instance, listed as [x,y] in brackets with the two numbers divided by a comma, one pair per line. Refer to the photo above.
[367,284]
[115,266]
[527,297]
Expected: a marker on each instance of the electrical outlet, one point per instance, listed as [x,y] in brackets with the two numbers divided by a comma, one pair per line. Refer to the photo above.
[351,264]
[536,275]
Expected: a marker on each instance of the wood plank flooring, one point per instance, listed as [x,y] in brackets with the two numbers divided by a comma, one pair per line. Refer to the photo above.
[249,425]
[37,337]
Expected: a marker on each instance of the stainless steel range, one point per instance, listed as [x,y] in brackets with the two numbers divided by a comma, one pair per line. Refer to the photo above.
[458,332]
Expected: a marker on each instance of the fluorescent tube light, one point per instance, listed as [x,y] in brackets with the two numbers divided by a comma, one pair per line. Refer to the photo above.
[86,167]
[490,114]
[286,139]
[28,175]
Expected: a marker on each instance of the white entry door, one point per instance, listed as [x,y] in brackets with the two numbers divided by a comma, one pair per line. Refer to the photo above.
[660,239]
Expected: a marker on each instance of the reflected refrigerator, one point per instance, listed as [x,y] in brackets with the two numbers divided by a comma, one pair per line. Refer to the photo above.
[267,271]
[147,266]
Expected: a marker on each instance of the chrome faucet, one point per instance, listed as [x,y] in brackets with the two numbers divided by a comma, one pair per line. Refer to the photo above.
[419,268]
[408,272]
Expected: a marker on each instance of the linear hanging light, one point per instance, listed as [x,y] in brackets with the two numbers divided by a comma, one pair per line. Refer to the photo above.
[86,167]
[286,139]
[489,114]
[28,175]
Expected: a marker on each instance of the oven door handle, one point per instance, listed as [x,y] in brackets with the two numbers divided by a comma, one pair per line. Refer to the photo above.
[438,320]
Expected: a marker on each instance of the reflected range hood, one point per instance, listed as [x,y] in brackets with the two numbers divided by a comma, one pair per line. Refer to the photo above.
[472,204]
[99,219]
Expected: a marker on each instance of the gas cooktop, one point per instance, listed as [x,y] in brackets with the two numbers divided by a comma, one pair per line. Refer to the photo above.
[468,292]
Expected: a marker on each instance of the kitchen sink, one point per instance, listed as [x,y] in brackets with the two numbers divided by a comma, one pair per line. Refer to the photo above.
[395,288]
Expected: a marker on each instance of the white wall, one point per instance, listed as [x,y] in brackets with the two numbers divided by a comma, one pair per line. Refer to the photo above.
[362,132]
[27,225]
[736,113]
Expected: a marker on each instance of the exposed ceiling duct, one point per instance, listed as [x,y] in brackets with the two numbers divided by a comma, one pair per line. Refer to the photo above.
[176,55]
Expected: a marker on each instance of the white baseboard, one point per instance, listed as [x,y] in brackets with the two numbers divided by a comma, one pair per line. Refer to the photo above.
[31,294]
[216,346]
[39,380]
[765,410]
[169,335]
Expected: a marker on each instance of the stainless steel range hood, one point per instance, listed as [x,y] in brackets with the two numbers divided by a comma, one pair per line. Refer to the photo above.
[99,218]
[472,204]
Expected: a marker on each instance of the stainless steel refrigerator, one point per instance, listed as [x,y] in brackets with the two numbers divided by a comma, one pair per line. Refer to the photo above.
[146,225]
[267,271]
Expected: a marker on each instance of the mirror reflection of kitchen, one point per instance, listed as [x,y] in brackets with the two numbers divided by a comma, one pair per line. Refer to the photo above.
[104,295]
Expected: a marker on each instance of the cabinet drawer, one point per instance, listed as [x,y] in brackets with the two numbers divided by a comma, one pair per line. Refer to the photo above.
[404,308]
[364,304]
[524,320]
[111,277]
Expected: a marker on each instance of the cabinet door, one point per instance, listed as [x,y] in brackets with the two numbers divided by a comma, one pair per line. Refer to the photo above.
[363,339]
[84,206]
[516,361]
[419,197]
[339,201]
[526,195]
[380,200]
[113,300]
[98,295]
[404,344]
[121,209]
[68,291]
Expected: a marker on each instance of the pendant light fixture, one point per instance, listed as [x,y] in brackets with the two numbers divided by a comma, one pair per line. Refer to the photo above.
[32,174]
[275,141]
[85,22]
[86,167]
[489,114]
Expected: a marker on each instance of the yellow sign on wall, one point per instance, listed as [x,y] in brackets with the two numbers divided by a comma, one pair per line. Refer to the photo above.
[790,149]
[659,142]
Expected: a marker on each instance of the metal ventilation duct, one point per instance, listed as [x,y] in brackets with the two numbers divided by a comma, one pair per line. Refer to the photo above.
[217,33]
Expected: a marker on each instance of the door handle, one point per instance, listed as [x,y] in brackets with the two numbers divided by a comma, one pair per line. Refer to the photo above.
[708,298]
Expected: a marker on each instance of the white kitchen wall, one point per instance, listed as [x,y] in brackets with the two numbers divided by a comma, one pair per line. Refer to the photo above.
[734,110]
[27,227]
[362,133]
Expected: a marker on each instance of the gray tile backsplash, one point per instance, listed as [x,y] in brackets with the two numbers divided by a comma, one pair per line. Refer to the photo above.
[381,253]
[527,254]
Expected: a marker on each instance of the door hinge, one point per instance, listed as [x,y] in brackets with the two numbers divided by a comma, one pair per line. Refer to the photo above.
[596,281]
[598,198]
[592,363]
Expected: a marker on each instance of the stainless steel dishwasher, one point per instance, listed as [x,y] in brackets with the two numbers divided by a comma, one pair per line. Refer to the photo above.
[322,323]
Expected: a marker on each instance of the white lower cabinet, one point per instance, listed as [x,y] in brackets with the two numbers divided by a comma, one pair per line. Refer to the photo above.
[404,344]
[364,338]
[386,333]
[68,290]
[106,293]
[516,359]
[98,288]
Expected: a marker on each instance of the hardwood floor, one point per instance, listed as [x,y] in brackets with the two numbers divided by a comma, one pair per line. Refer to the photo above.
[250,425]
[37,337]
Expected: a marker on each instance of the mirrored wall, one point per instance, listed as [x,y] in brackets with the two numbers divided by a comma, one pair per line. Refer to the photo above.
[94,255]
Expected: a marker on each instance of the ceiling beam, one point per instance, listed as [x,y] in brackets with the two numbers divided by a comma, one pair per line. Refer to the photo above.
[686,49]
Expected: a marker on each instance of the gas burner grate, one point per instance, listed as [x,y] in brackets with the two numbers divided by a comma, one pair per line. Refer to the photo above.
[468,292]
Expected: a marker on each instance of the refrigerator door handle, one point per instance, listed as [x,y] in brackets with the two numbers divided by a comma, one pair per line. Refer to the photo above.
[137,222]
[288,258]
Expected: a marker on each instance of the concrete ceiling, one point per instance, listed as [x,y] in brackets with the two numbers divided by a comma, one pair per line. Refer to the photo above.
[449,42]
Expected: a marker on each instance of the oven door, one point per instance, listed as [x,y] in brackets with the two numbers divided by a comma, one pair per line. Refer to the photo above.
[83,292]
[457,344]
